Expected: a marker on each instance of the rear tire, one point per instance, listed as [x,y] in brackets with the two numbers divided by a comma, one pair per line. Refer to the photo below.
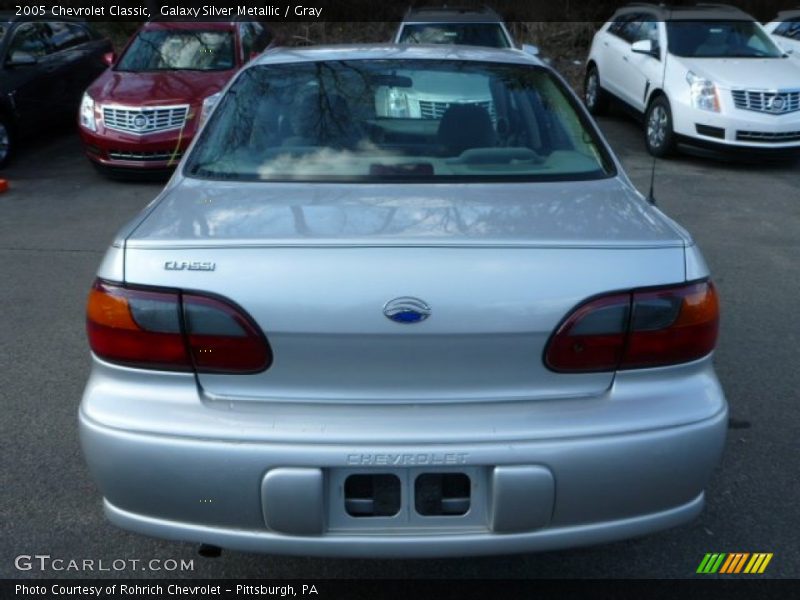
[659,135]
[594,96]
[6,141]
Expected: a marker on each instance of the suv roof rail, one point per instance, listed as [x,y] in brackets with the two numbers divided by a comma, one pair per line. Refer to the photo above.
[436,7]
[669,9]
[717,5]
[665,6]
[432,8]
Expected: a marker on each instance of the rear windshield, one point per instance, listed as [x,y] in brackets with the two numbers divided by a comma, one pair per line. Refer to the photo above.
[720,39]
[471,34]
[373,120]
[162,50]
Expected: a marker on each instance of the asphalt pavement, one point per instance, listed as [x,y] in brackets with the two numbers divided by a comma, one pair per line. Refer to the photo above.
[60,215]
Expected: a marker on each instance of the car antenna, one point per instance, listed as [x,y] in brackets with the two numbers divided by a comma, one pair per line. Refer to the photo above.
[651,198]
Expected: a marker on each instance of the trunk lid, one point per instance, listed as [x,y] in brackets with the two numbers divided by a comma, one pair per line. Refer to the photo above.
[314,264]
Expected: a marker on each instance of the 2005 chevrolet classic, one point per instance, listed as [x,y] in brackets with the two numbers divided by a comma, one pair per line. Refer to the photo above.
[358,322]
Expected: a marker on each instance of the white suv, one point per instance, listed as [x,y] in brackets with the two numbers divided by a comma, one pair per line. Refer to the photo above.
[446,25]
[708,75]
[434,93]
[785,30]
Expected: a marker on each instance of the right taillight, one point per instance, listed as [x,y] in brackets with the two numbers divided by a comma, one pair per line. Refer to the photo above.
[156,328]
[638,329]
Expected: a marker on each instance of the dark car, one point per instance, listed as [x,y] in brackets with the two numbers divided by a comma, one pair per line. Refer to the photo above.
[140,115]
[45,68]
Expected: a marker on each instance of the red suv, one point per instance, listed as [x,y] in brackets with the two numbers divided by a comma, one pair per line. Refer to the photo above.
[141,113]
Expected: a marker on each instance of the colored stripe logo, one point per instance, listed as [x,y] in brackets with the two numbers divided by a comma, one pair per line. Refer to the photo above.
[734,562]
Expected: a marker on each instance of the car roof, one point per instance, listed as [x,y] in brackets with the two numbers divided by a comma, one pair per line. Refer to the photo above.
[696,12]
[191,25]
[447,14]
[283,55]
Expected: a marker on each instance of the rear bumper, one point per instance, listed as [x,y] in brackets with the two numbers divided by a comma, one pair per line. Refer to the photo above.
[421,546]
[564,491]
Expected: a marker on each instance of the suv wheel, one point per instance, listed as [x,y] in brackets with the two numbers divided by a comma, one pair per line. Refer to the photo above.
[594,96]
[659,135]
[6,140]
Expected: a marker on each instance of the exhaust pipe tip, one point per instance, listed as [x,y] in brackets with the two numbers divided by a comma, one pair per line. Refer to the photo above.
[209,551]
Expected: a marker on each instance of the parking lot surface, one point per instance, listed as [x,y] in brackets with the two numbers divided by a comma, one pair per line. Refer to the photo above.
[59,217]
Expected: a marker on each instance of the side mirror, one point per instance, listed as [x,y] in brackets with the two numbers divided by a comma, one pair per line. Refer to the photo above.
[209,103]
[19,58]
[110,58]
[644,47]
[530,49]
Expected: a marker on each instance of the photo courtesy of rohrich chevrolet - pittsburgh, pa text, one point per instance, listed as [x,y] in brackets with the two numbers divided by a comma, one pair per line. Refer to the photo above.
[404,299]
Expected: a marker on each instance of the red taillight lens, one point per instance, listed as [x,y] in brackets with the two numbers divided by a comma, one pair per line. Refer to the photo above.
[164,329]
[647,328]
[222,339]
[593,337]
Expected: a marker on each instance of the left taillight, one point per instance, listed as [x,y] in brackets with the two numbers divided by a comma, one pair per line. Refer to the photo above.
[165,329]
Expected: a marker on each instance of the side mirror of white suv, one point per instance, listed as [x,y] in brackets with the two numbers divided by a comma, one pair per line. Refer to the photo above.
[644,47]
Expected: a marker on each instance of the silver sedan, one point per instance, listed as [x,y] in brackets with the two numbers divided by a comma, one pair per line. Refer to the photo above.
[357,322]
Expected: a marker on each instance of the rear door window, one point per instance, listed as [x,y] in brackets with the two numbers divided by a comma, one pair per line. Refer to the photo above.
[29,39]
[67,35]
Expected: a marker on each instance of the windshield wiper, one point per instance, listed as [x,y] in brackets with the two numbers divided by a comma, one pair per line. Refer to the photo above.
[749,56]
[141,70]
[163,69]
[202,170]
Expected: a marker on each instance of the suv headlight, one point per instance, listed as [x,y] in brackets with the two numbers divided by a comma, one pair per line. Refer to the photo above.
[703,92]
[397,104]
[87,116]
